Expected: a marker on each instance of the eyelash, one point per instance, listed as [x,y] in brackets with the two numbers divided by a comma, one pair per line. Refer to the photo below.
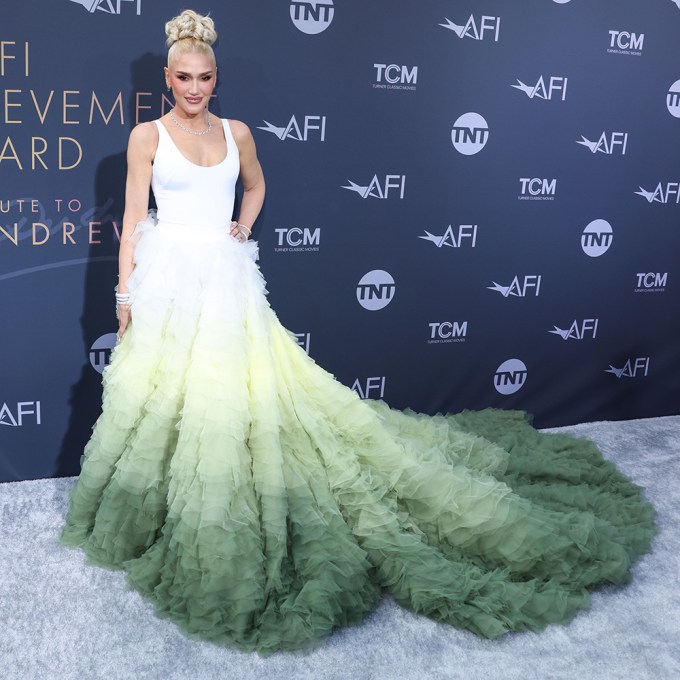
[204,78]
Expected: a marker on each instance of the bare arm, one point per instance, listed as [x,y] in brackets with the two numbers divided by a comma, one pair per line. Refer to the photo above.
[251,174]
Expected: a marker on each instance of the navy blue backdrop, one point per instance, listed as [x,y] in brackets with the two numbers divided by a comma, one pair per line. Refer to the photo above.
[469,203]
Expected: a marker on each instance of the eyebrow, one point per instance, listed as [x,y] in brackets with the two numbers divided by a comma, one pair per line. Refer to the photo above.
[184,73]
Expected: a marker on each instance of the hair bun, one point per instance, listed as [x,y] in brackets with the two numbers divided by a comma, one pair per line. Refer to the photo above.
[190,24]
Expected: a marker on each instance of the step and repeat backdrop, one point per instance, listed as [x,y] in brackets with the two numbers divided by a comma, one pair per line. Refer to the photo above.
[469,204]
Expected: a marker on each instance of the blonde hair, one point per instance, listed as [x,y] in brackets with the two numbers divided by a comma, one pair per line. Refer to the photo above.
[190,32]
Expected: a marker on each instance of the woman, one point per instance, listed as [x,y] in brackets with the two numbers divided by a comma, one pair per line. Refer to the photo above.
[258,502]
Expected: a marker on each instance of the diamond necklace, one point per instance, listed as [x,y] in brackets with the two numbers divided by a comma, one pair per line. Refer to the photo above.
[192,132]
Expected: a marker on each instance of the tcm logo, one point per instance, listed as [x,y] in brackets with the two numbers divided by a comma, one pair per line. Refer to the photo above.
[510,376]
[375,290]
[447,332]
[394,77]
[25,410]
[303,339]
[633,368]
[464,235]
[663,193]
[616,142]
[110,6]
[296,239]
[537,189]
[651,282]
[100,352]
[556,85]
[673,98]
[477,29]
[587,328]
[313,16]
[376,189]
[470,133]
[529,286]
[596,238]
[371,388]
[624,42]
[311,126]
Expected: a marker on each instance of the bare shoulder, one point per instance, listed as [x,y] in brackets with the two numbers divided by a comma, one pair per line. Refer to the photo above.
[240,130]
[143,138]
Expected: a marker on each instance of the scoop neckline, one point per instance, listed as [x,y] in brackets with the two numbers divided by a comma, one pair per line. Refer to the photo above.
[196,165]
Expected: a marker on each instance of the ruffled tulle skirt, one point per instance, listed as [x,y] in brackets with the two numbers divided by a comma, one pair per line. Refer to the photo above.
[259,503]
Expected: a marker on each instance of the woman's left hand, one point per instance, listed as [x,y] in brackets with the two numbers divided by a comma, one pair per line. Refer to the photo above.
[238,233]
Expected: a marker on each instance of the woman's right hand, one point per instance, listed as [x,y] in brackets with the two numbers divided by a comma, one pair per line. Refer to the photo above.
[124,318]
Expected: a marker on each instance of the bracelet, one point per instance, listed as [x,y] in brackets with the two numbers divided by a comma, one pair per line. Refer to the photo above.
[238,224]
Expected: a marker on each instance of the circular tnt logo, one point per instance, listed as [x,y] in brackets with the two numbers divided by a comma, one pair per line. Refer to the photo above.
[375,290]
[100,352]
[561,2]
[596,238]
[470,133]
[673,99]
[312,16]
[510,376]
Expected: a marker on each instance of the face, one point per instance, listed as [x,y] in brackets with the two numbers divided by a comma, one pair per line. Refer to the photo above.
[192,78]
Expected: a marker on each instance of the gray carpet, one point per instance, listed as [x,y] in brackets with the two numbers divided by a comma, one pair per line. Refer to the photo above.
[64,619]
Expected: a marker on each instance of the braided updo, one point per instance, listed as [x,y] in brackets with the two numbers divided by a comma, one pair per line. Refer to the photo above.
[190,32]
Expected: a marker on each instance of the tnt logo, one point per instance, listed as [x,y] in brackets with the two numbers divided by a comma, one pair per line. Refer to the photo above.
[100,352]
[624,42]
[395,77]
[510,376]
[529,285]
[651,282]
[109,6]
[556,85]
[663,193]
[312,16]
[477,29]
[633,368]
[616,142]
[463,235]
[596,238]
[587,328]
[24,410]
[469,134]
[296,239]
[537,189]
[311,126]
[378,189]
[371,388]
[447,332]
[303,339]
[376,290]
[673,99]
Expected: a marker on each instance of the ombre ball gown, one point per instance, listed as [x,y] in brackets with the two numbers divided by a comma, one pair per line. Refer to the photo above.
[259,503]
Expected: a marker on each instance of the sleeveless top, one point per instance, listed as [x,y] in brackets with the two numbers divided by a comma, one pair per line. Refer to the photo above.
[192,194]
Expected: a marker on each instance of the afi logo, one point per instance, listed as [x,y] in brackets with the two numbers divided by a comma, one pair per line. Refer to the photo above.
[447,331]
[673,98]
[537,188]
[668,193]
[371,388]
[375,290]
[623,40]
[108,6]
[312,16]
[596,238]
[303,339]
[377,190]
[23,409]
[476,29]
[519,289]
[617,141]
[293,130]
[631,369]
[470,133]
[578,331]
[298,239]
[556,85]
[100,352]
[510,376]
[466,234]
[391,73]
[652,281]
